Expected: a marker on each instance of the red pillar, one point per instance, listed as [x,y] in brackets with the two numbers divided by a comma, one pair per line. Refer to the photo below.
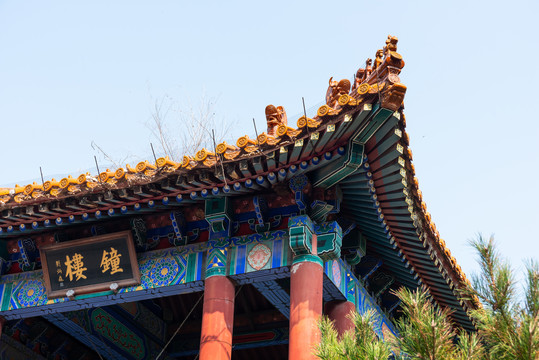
[217,319]
[306,288]
[338,312]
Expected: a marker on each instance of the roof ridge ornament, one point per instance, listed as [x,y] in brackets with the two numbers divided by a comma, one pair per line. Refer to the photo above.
[275,117]
[335,90]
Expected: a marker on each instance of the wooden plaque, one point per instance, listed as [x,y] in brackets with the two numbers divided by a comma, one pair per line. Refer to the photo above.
[90,264]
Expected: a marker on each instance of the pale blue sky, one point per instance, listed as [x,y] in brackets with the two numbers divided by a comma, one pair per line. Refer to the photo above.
[73,72]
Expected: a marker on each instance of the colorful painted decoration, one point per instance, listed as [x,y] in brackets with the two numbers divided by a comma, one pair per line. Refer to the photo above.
[336,270]
[259,256]
[31,293]
[163,271]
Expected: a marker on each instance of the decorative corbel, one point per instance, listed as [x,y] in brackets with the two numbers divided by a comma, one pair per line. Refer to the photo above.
[218,214]
[329,240]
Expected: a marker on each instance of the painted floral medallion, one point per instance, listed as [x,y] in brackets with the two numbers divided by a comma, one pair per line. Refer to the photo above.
[259,256]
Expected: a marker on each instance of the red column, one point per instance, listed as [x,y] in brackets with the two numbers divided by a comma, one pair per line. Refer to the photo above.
[338,311]
[217,319]
[306,288]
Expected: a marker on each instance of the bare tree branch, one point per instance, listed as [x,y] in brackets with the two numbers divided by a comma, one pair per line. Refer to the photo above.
[194,126]
[117,163]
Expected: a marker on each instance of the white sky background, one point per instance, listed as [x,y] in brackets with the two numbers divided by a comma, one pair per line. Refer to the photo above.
[72,73]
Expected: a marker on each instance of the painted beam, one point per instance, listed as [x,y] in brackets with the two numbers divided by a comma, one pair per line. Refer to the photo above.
[173,271]
[163,273]
[260,259]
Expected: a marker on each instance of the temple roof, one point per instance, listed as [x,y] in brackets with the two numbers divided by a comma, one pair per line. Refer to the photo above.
[380,189]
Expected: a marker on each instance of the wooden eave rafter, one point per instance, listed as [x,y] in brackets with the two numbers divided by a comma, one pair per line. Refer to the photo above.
[414,233]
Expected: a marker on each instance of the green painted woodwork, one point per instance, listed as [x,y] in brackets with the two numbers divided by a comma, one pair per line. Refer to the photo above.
[192,272]
[307,258]
[351,293]
[270,161]
[356,243]
[339,169]
[301,230]
[216,262]
[320,210]
[329,240]
[378,119]
[218,215]
[296,150]
[325,138]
